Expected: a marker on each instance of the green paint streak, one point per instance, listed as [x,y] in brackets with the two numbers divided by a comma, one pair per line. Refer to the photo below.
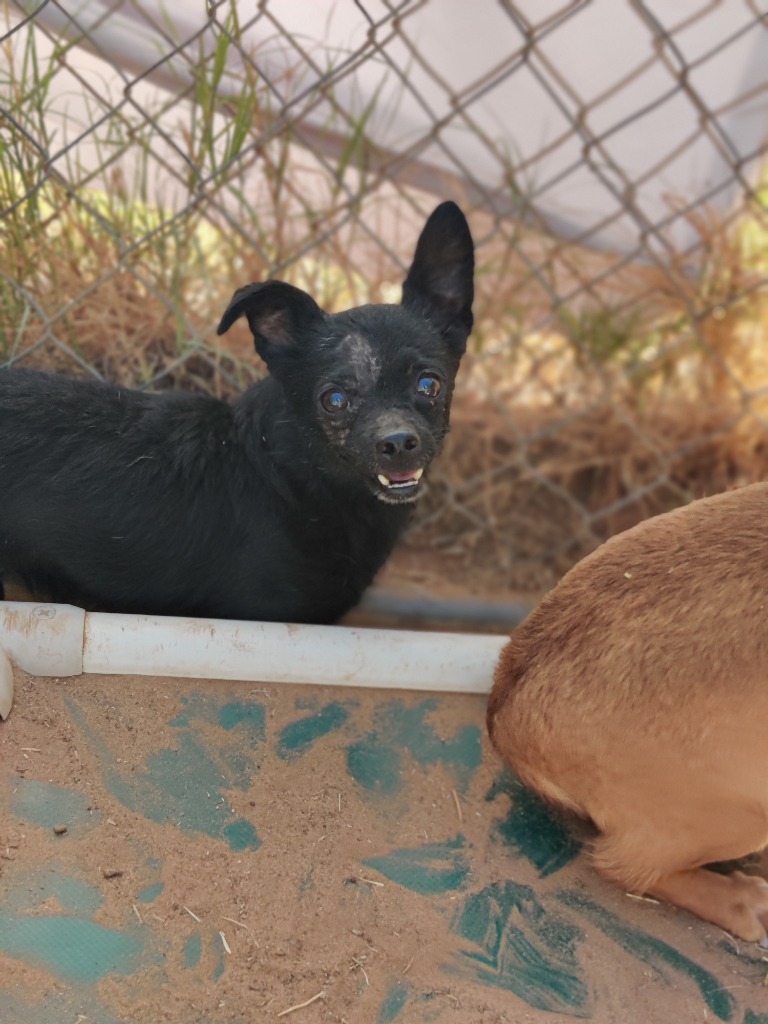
[374,765]
[523,948]
[375,760]
[652,951]
[429,1013]
[60,1006]
[755,1018]
[46,805]
[530,829]
[206,708]
[196,706]
[182,786]
[297,738]
[193,948]
[307,883]
[186,783]
[241,835]
[246,720]
[70,893]
[51,883]
[151,893]
[431,869]
[218,953]
[394,1001]
[406,727]
[251,716]
[75,949]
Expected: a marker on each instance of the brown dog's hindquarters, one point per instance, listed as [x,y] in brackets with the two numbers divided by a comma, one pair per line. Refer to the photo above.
[636,695]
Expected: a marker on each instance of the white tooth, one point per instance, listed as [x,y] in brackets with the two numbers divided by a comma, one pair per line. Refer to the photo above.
[418,474]
[384,481]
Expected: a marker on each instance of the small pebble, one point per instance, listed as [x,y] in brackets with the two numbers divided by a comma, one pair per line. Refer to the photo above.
[60,830]
[112,872]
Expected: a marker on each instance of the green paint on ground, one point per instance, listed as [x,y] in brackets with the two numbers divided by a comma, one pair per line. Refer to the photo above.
[205,707]
[653,952]
[394,1001]
[431,869]
[522,947]
[249,715]
[46,805]
[184,786]
[307,883]
[241,835]
[52,882]
[57,1007]
[298,737]
[218,955]
[73,948]
[406,727]
[755,1018]
[430,1007]
[151,893]
[69,945]
[193,948]
[530,829]
[374,765]
[375,761]
[246,720]
[70,893]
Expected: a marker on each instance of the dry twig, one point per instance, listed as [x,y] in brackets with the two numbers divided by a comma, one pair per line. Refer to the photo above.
[300,1006]
[458,805]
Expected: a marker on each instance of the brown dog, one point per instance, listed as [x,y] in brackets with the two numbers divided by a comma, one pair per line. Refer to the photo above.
[636,695]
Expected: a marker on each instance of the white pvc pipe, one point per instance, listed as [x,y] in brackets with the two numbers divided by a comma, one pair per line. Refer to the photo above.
[44,640]
[6,685]
[59,640]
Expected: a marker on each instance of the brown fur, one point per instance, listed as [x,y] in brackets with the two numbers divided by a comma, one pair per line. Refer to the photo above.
[636,695]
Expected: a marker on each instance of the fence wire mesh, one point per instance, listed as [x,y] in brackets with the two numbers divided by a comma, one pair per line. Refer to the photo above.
[150,164]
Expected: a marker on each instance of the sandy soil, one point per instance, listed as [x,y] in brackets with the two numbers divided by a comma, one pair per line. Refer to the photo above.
[232,852]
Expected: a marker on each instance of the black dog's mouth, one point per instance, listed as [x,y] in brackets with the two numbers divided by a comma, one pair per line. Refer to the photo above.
[393,488]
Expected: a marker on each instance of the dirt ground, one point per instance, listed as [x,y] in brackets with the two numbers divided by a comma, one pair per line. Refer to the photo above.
[233,853]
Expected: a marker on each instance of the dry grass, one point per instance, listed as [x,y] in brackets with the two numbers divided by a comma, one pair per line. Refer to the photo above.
[559,439]
[516,508]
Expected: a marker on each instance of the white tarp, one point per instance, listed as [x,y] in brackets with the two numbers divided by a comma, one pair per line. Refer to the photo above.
[602,131]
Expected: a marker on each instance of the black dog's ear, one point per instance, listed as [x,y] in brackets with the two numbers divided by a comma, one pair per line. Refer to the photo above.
[278,314]
[440,281]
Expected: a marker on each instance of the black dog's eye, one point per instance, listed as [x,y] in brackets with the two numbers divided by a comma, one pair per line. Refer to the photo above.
[429,386]
[334,400]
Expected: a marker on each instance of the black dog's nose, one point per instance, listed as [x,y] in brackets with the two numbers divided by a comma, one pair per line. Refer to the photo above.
[394,444]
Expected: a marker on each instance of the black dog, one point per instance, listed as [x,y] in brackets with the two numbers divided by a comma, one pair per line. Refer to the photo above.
[280,506]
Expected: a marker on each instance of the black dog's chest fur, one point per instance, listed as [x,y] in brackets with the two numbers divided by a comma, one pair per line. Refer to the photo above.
[280,506]
[215,507]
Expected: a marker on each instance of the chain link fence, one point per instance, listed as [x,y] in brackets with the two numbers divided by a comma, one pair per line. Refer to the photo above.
[609,155]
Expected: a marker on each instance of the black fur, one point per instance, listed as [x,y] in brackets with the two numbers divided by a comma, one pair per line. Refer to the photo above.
[279,506]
